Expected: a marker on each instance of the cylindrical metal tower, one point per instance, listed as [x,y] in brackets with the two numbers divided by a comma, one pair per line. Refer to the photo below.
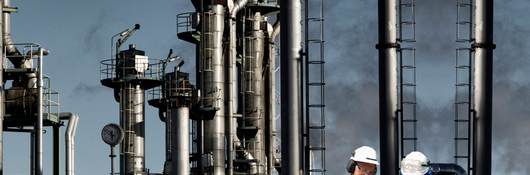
[388,102]
[290,42]
[483,85]
[212,87]
[130,74]
[253,88]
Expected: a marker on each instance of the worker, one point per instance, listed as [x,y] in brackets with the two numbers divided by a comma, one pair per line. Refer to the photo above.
[415,163]
[363,161]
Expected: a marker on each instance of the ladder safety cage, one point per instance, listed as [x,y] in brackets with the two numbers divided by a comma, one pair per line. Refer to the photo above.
[314,120]
[464,21]
[408,101]
[463,108]
[407,21]
[463,136]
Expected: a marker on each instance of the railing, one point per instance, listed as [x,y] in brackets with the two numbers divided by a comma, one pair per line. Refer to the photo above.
[125,68]
[187,22]
[51,103]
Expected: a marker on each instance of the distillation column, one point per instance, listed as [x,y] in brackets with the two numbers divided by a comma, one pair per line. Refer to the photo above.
[388,82]
[482,91]
[212,87]
[253,79]
[129,79]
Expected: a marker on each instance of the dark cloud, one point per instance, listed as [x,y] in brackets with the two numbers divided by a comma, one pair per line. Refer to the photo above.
[352,91]
[87,90]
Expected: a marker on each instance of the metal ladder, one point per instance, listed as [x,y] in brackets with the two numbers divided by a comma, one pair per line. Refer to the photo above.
[407,77]
[463,85]
[314,64]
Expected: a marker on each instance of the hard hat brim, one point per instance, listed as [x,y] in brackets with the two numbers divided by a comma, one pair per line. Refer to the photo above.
[366,161]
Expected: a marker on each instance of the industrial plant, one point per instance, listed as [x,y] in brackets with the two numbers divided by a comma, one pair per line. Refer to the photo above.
[257,103]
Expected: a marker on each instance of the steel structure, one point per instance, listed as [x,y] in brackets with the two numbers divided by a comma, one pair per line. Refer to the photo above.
[29,104]
[473,98]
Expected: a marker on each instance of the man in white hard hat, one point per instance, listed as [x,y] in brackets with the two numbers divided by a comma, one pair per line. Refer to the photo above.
[415,163]
[363,161]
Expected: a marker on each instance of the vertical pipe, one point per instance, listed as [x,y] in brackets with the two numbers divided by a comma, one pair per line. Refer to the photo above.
[38,123]
[69,136]
[290,88]
[56,153]
[483,74]
[213,86]
[230,94]
[180,157]
[2,104]
[388,86]
[32,152]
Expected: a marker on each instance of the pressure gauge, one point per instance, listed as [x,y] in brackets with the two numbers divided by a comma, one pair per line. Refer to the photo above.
[112,134]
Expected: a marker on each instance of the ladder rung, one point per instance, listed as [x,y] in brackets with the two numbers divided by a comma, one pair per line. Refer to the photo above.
[317,127]
[463,22]
[316,105]
[410,138]
[461,157]
[462,138]
[315,19]
[460,120]
[317,170]
[462,84]
[462,102]
[463,67]
[409,102]
[408,22]
[315,41]
[408,67]
[408,84]
[316,62]
[317,148]
[407,4]
[316,84]
[463,4]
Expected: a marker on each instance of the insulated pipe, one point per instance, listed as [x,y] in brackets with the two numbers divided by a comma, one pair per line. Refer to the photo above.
[2,106]
[254,107]
[482,91]
[272,96]
[69,136]
[388,87]
[291,39]
[212,86]
[231,79]
[39,122]
[180,157]
[132,121]
[6,27]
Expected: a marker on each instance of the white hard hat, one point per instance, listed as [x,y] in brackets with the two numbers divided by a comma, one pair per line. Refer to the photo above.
[365,154]
[415,163]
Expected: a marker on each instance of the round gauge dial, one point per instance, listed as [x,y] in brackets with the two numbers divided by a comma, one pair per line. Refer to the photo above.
[112,134]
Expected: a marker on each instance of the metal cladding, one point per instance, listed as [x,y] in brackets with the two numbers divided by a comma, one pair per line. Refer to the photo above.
[2,96]
[253,88]
[388,93]
[290,41]
[212,87]
[130,74]
[69,136]
[131,95]
[483,85]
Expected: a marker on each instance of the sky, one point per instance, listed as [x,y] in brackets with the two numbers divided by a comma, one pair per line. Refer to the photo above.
[77,33]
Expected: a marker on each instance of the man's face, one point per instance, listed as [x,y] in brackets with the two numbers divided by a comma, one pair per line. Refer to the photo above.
[365,169]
